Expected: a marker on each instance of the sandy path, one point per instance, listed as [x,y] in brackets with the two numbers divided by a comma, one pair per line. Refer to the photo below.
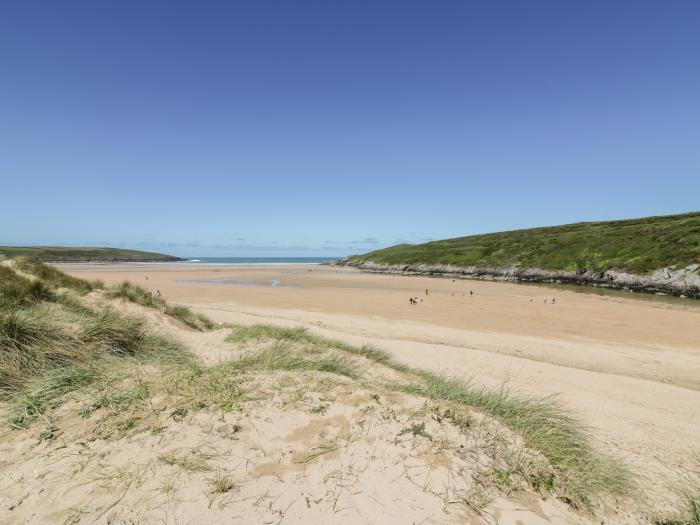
[630,368]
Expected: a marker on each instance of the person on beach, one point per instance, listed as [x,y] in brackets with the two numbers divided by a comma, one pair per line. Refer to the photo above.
[471,293]
[426,291]
[554,300]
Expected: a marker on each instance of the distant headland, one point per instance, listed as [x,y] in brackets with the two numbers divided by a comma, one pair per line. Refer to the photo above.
[81,254]
[652,254]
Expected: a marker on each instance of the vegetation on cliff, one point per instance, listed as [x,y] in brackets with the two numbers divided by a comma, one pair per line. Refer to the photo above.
[636,245]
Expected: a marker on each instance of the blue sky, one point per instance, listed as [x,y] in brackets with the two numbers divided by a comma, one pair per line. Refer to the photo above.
[329,128]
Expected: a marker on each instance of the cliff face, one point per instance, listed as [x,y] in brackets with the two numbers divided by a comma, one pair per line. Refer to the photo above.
[681,282]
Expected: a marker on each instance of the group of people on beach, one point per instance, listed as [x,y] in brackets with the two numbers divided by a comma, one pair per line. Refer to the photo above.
[415,300]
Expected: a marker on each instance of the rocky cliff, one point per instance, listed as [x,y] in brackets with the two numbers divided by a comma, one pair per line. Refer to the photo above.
[684,282]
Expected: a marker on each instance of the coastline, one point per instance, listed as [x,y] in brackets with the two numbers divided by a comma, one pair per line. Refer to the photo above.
[111,261]
[684,283]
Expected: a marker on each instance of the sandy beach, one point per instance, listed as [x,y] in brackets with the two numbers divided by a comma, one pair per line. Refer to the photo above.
[628,367]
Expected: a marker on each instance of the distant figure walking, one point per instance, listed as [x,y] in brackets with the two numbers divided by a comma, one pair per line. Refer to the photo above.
[426,291]
[554,300]
[471,293]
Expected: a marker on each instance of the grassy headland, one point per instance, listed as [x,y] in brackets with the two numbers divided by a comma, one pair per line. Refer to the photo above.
[638,246]
[68,254]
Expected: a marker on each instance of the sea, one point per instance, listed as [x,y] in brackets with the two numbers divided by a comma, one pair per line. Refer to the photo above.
[259,260]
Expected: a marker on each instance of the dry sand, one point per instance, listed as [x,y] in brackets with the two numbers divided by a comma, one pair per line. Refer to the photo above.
[630,368]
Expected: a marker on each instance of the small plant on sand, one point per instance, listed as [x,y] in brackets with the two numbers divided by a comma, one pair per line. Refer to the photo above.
[168,486]
[320,409]
[179,414]
[49,433]
[116,401]
[221,483]
[416,430]
[124,425]
[461,422]
[195,461]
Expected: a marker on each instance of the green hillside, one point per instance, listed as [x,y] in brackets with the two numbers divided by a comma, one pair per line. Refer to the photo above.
[61,253]
[636,245]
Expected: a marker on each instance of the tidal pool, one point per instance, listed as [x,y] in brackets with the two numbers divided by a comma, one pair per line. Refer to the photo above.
[274,283]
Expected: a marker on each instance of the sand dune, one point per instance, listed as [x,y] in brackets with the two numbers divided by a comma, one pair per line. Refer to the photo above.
[629,368]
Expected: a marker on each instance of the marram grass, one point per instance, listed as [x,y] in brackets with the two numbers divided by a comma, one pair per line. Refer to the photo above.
[139,295]
[582,474]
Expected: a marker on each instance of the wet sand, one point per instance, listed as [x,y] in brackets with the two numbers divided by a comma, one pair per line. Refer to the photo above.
[629,368]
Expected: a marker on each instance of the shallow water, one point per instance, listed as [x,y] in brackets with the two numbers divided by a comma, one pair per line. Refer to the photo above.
[274,283]
[619,294]
[239,261]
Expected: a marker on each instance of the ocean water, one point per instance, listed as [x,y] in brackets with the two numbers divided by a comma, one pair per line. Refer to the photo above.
[259,260]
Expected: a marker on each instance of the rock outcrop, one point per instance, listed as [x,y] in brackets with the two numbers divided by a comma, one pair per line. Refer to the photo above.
[681,282]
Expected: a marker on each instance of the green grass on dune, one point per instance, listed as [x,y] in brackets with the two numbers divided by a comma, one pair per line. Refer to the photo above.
[51,276]
[546,426]
[136,294]
[16,290]
[637,245]
[687,492]
[51,342]
[582,474]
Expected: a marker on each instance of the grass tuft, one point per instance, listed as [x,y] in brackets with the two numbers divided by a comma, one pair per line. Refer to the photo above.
[139,295]
[688,494]
[280,356]
[16,290]
[52,343]
[31,345]
[546,426]
[221,483]
[54,277]
[260,332]
[115,333]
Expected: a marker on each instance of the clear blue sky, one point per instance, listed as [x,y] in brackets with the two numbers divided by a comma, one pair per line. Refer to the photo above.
[314,128]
